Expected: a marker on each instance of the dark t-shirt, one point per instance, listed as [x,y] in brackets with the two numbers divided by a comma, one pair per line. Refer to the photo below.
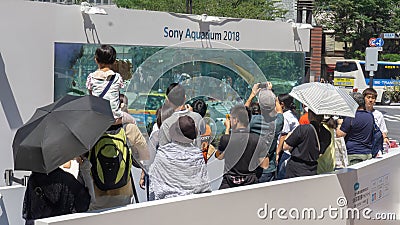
[242,151]
[305,149]
[358,132]
[304,142]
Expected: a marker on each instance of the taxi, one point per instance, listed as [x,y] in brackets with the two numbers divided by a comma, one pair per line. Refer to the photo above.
[144,108]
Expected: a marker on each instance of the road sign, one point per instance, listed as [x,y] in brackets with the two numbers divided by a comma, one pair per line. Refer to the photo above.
[379,42]
[376,42]
[372,42]
[389,35]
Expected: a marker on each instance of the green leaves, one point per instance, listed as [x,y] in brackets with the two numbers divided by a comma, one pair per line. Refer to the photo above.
[251,9]
[355,21]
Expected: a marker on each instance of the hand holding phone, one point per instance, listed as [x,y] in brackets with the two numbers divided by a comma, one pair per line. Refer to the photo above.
[227,123]
[262,85]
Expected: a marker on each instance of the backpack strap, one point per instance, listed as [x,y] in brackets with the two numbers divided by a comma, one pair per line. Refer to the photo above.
[316,135]
[134,163]
[107,87]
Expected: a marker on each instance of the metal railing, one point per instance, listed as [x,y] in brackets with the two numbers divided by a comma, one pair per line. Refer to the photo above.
[9,178]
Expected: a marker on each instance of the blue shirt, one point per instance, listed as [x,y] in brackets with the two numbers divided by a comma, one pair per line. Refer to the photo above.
[358,132]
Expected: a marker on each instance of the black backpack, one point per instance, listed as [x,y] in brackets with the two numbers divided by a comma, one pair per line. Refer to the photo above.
[54,194]
[377,140]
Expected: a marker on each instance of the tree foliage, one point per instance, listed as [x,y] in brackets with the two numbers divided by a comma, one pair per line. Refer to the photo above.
[251,9]
[356,21]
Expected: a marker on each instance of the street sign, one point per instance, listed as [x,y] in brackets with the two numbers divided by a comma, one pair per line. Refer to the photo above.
[379,42]
[372,42]
[389,35]
[376,42]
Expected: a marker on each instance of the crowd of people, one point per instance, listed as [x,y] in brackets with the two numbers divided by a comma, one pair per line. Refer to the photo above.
[263,141]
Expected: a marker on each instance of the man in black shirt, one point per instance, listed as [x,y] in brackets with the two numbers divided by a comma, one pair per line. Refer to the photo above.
[243,151]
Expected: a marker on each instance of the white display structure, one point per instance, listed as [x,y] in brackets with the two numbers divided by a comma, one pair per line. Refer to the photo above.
[31,30]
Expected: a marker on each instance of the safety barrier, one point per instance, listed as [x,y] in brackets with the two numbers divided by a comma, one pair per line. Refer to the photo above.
[366,193]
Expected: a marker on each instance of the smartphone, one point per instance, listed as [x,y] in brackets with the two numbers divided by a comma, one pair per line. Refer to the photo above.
[228,116]
[262,85]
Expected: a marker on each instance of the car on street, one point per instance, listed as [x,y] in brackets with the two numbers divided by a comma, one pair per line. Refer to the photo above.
[144,108]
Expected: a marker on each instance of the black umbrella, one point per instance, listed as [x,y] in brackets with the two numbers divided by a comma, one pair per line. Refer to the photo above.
[60,131]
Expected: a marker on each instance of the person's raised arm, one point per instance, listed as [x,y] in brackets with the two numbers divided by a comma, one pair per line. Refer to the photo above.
[278,107]
[223,143]
[253,94]
[227,124]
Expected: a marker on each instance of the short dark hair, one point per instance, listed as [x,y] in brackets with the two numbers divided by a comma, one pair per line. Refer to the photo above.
[170,87]
[105,54]
[370,91]
[359,98]
[163,113]
[176,94]
[200,107]
[314,117]
[241,113]
[255,108]
[287,101]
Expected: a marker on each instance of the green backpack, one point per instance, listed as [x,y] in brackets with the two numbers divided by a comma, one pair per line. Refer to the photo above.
[111,160]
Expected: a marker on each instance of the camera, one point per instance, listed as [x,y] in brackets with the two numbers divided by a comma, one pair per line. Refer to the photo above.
[262,85]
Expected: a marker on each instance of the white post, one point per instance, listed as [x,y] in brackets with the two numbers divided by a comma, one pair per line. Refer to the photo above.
[371,79]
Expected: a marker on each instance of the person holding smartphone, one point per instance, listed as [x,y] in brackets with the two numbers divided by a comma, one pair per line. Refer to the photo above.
[242,150]
[268,124]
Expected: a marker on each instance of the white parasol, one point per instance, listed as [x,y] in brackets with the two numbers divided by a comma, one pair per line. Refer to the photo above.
[325,99]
